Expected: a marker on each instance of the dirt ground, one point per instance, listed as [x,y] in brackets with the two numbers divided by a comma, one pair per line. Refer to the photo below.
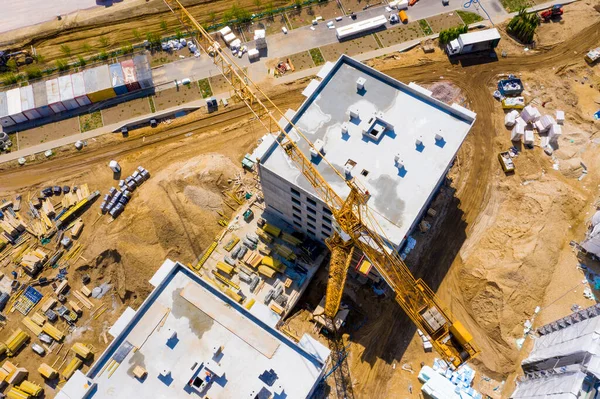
[357,5]
[332,52]
[48,132]
[400,34]
[129,109]
[272,25]
[444,21]
[172,97]
[117,24]
[497,249]
[305,15]
[302,61]
[218,84]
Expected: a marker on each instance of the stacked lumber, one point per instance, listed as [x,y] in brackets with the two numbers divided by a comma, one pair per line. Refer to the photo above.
[253,259]
[48,208]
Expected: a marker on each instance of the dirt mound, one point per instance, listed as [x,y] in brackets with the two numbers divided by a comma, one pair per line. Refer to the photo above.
[107,268]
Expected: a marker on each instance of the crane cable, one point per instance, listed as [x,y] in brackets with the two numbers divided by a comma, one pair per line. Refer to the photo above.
[477,3]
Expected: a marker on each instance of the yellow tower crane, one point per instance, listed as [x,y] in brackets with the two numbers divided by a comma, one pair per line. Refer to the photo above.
[356,227]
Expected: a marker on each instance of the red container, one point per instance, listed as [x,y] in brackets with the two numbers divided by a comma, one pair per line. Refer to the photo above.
[129,75]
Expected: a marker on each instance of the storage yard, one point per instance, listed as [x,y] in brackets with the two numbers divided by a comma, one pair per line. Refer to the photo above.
[82,243]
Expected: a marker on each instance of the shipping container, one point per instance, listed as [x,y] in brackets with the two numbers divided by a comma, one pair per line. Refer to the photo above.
[117,79]
[41,99]
[143,71]
[5,119]
[13,102]
[28,103]
[98,85]
[53,96]
[65,86]
[79,89]
[130,75]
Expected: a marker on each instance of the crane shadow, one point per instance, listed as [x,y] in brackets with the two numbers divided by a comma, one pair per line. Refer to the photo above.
[376,321]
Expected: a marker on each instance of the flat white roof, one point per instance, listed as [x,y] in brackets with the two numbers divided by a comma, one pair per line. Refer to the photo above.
[177,332]
[397,195]
[479,36]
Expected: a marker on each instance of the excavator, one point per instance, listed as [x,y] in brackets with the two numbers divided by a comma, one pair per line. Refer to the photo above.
[355,225]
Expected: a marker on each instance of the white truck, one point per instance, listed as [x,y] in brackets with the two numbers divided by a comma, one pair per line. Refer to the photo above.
[472,42]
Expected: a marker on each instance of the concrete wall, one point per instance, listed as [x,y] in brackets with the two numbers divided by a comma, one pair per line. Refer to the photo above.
[301,209]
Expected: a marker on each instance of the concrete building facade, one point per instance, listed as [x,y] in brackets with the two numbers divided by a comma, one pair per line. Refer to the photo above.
[394,139]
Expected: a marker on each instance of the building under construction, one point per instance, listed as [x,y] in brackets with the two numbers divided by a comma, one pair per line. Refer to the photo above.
[188,338]
[565,360]
[395,140]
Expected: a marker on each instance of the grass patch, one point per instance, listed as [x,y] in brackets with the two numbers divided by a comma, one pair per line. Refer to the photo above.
[425,27]
[515,5]
[378,40]
[469,17]
[205,88]
[91,121]
[316,56]
[152,106]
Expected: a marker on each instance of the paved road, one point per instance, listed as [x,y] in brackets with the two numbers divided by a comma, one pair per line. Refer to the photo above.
[306,38]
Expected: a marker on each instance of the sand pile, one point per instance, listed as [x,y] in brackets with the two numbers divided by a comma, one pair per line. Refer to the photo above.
[173,215]
[507,270]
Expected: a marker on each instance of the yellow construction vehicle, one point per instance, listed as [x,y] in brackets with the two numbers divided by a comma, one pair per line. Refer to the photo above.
[356,227]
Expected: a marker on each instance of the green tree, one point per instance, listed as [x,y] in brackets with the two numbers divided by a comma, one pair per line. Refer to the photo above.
[163,25]
[66,50]
[178,34]
[153,39]
[62,65]
[104,41]
[10,78]
[103,55]
[128,48]
[81,61]
[39,58]
[86,48]
[137,35]
[212,16]
[11,64]
[33,72]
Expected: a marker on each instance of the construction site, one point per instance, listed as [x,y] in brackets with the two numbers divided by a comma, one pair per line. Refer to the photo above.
[309,199]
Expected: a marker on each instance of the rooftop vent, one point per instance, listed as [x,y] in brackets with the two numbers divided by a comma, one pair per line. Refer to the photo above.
[344,128]
[317,149]
[360,83]
[354,113]
[364,172]
[439,137]
[398,161]
[419,142]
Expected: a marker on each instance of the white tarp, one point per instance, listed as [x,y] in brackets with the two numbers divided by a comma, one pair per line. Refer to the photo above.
[530,114]
[557,386]
[592,242]
[511,118]
[578,337]
[554,132]
[547,121]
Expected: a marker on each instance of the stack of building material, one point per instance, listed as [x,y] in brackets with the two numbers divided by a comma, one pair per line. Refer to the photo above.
[225,31]
[13,102]
[82,351]
[143,71]
[70,369]
[15,342]
[528,137]
[236,44]
[229,38]
[253,54]
[545,122]
[48,208]
[5,119]
[260,39]
[560,117]
[98,84]
[117,79]
[129,75]
[79,89]
[47,372]
[40,99]
[511,117]
[53,96]
[530,114]
[274,264]
[253,259]
[65,86]
[518,131]
[30,388]
[554,132]
[28,103]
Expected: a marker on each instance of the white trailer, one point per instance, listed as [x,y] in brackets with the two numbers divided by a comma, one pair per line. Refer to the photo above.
[360,27]
[466,43]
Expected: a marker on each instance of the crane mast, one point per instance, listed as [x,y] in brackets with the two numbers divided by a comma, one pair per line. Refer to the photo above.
[356,227]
